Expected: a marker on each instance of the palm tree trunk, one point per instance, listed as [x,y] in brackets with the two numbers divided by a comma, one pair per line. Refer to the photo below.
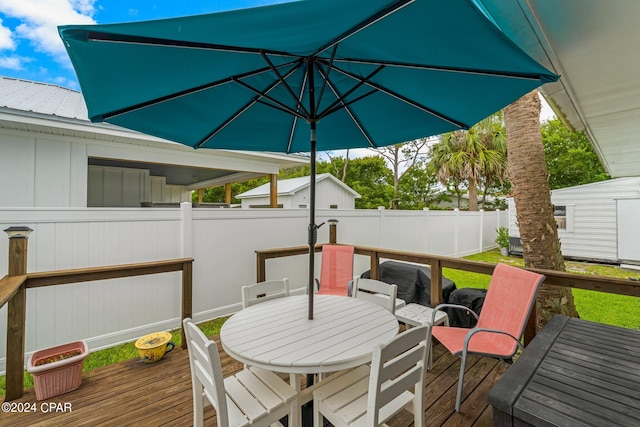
[528,174]
[473,194]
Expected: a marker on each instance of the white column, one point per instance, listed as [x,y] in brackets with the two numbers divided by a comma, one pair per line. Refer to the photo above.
[187,230]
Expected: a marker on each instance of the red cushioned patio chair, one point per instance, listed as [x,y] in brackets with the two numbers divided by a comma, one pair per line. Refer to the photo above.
[507,305]
[336,271]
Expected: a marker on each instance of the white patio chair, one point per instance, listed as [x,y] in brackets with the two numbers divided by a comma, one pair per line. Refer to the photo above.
[377,292]
[264,291]
[370,395]
[251,397]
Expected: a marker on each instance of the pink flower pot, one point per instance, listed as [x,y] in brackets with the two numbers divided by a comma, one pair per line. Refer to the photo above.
[59,377]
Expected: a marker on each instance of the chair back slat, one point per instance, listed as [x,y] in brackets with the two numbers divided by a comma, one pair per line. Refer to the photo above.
[397,367]
[375,291]
[509,300]
[336,270]
[206,370]
[264,291]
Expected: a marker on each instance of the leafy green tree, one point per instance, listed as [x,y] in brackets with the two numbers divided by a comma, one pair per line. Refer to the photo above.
[570,157]
[417,188]
[472,156]
[402,157]
[372,179]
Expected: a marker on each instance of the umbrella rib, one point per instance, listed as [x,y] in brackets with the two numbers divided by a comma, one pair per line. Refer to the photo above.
[461,70]
[278,105]
[182,93]
[277,73]
[351,114]
[383,13]
[295,118]
[406,100]
[244,108]
[101,36]
[344,104]
[341,99]
[326,77]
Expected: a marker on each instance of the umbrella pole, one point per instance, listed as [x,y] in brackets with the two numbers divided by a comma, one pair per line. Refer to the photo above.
[313,229]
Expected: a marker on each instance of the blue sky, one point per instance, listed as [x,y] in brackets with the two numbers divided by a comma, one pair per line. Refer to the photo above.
[31,49]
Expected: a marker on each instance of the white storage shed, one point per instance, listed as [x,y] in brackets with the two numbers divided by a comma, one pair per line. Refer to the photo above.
[597,221]
[331,193]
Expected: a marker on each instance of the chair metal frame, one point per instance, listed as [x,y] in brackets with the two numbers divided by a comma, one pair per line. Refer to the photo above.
[505,311]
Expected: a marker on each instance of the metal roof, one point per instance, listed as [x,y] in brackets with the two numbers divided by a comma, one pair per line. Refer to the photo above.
[293,185]
[42,98]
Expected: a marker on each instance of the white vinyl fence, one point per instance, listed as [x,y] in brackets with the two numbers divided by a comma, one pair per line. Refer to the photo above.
[221,241]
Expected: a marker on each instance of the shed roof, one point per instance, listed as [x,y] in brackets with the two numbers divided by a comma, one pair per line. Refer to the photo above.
[287,187]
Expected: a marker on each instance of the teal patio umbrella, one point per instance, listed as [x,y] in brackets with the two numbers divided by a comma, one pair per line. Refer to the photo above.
[302,76]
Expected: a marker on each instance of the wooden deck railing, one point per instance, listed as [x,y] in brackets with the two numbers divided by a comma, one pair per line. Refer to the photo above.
[437,263]
[13,292]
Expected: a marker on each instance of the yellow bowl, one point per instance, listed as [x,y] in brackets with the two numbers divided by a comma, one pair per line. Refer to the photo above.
[152,347]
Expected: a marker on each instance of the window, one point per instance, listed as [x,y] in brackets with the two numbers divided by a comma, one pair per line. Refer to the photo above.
[560,214]
[333,206]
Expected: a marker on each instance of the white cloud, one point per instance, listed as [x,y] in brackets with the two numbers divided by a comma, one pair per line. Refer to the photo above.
[40,19]
[6,39]
[13,62]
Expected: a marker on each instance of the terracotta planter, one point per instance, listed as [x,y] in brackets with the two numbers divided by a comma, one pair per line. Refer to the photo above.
[57,377]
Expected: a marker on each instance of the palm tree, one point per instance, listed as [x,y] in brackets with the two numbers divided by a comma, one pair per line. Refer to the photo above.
[528,174]
[494,136]
[472,155]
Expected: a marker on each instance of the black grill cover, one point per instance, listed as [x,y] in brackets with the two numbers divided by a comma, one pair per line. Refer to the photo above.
[413,281]
[468,297]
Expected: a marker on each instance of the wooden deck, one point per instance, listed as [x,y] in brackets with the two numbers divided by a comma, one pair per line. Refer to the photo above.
[134,393]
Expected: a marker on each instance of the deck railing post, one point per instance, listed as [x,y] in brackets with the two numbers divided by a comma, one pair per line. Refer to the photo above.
[530,328]
[374,266]
[333,231]
[436,282]
[261,267]
[187,297]
[17,308]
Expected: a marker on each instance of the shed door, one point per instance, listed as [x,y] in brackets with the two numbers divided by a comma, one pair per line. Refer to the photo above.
[629,230]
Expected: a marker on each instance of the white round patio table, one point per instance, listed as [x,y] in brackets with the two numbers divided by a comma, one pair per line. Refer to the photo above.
[276,335]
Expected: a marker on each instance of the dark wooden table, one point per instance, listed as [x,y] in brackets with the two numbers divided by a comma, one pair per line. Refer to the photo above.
[574,373]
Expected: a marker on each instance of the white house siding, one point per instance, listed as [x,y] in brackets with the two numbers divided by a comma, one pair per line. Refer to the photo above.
[52,171]
[221,241]
[36,171]
[592,229]
[327,193]
[265,201]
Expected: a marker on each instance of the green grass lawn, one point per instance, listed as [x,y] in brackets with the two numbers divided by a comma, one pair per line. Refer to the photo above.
[599,307]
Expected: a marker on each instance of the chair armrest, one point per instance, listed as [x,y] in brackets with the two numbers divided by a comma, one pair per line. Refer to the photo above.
[441,306]
[474,331]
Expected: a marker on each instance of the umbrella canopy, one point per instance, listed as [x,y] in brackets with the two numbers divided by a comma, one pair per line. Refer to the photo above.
[364,73]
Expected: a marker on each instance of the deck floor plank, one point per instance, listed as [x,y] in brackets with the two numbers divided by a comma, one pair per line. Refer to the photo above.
[134,393]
